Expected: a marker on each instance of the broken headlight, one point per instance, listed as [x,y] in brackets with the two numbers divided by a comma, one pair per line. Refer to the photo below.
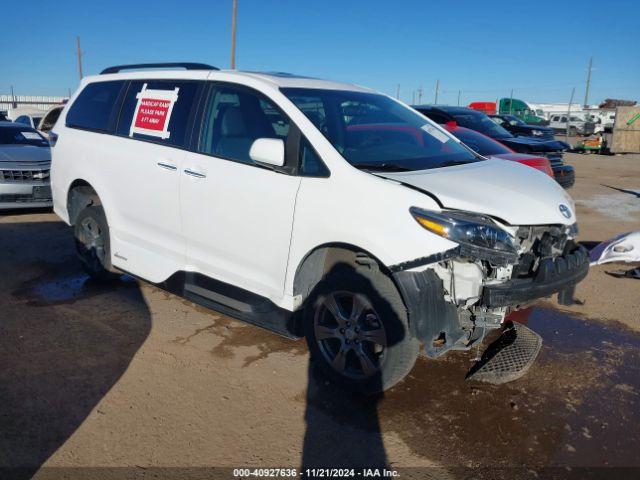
[477,235]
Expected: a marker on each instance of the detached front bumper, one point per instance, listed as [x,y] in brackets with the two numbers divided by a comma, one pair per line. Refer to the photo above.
[551,277]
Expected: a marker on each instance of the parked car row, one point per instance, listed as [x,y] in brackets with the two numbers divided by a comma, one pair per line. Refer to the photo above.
[316,209]
[540,145]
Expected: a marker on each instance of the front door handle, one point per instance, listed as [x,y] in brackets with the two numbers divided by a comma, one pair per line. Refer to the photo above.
[167,166]
[193,173]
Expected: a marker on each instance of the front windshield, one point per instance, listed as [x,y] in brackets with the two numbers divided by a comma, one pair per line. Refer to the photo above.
[21,135]
[373,132]
[482,124]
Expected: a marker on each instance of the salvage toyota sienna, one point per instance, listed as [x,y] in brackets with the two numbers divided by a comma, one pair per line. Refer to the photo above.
[308,207]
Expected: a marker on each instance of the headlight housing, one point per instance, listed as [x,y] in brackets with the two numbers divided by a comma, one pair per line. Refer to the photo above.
[478,236]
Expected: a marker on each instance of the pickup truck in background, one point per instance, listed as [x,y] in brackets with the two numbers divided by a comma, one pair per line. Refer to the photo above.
[577,125]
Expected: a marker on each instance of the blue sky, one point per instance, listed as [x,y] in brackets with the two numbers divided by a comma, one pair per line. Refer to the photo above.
[483,48]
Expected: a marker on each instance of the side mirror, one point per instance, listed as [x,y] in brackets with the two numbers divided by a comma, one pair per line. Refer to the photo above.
[269,151]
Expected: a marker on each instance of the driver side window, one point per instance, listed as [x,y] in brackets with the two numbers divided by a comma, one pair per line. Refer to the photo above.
[234,118]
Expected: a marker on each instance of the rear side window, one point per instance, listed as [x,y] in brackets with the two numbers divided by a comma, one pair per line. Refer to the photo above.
[94,109]
[158,111]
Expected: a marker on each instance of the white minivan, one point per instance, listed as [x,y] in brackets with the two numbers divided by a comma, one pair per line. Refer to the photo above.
[308,207]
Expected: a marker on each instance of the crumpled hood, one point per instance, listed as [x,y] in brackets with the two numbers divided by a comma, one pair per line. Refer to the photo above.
[514,193]
[24,154]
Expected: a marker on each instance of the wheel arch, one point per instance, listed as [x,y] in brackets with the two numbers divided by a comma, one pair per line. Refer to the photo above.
[322,259]
[80,195]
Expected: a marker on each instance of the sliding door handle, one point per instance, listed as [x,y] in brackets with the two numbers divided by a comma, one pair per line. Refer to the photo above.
[195,174]
[167,166]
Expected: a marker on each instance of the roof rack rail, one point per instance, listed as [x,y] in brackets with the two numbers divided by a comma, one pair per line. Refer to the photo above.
[136,66]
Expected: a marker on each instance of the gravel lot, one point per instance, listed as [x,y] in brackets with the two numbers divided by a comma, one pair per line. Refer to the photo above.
[127,375]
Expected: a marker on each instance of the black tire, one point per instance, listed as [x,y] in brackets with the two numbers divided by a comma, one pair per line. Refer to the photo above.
[379,305]
[91,233]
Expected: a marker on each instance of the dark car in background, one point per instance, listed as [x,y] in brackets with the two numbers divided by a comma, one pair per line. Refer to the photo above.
[516,126]
[488,147]
[478,121]
[25,161]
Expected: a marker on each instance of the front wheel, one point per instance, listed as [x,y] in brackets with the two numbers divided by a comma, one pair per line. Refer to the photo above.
[357,330]
[92,243]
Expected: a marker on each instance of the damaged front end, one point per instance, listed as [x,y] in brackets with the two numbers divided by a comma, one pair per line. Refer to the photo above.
[467,291]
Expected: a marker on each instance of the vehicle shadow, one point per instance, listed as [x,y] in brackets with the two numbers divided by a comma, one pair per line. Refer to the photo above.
[343,428]
[64,342]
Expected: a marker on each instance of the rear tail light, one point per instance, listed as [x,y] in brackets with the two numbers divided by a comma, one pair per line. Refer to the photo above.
[539,163]
[53,138]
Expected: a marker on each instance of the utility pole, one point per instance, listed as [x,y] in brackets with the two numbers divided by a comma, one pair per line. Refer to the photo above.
[459,92]
[435,101]
[13,99]
[586,92]
[398,92]
[419,95]
[234,14]
[573,91]
[79,52]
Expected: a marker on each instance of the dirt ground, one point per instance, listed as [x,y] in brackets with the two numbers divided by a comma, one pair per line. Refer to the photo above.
[128,376]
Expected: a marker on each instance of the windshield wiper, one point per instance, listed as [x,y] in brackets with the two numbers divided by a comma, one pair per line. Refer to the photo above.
[381,167]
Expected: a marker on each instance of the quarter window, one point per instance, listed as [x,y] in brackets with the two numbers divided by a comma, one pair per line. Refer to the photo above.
[310,163]
[94,107]
[234,118]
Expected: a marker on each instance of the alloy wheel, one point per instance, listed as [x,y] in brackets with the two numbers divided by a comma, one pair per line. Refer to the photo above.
[350,334]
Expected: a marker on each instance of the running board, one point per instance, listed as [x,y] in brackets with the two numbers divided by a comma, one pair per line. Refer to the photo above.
[509,357]
[239,303]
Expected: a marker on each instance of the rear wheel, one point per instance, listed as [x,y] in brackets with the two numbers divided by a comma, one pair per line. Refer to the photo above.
[357,330]
[92,243]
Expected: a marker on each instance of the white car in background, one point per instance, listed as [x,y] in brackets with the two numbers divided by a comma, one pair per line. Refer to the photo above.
[310,208]
[49,119]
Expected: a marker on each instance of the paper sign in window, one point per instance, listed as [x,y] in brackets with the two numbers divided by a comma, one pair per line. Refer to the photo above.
[153,112]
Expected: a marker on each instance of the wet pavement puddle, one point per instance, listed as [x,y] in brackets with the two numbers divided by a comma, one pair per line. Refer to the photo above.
[64,283]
